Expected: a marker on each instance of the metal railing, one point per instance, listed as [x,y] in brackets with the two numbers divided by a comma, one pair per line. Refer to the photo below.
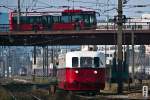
[103,26]
[126,26]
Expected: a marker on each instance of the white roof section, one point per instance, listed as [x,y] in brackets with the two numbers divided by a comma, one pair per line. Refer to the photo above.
[79,54]
[37,13]
[67,58]
[83,54]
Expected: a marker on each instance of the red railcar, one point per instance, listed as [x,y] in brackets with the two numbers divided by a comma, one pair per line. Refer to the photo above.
[81,71]
[65,20]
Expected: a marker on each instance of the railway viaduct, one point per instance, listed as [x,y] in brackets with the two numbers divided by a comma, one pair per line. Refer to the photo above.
[81,37]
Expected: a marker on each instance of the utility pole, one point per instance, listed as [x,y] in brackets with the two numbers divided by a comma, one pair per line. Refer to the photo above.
[127,62]
[52,60]
[18,16]
[119,44]
[34,54]
[46,63]
[132,39]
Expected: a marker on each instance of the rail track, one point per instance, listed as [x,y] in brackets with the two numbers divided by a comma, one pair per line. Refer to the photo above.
[35,97]
[15,94]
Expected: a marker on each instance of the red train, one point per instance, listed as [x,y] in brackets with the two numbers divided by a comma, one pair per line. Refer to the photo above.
[81,71]
[66,20]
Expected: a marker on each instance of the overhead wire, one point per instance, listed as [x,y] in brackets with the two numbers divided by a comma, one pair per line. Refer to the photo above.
[35,2]
[39,4]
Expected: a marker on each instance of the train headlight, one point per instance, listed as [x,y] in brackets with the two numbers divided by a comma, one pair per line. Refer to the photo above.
[95,72]
[76,71]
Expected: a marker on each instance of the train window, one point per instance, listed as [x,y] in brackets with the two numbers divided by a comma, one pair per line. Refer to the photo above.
[86,20]
[128,26]
[65,19]
[49,19]
[85,62]
[23,19]
[44,20]
[74,61]
[133,26]
[56,19]
[111,55]
[107,55]
[139,26]
[75,17]
[92,19]
[96,62]
[32,19]
[15,20]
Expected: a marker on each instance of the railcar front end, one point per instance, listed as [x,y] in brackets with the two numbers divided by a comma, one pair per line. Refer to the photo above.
[81,79]
[83,72]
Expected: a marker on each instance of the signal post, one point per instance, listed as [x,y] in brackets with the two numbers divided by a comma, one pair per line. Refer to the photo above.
[119,49]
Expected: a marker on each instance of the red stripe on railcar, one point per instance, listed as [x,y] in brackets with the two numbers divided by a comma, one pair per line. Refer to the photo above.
[81,78]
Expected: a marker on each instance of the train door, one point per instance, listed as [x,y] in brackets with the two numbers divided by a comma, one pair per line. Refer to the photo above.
[47,22]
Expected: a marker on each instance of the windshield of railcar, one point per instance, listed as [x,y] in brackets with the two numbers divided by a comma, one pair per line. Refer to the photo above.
[93,62]
[89,19]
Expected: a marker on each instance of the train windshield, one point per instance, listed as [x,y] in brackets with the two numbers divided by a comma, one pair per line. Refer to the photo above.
[86,62]
[90,62]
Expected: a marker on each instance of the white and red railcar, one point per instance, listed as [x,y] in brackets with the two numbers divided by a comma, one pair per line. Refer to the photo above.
[81,71]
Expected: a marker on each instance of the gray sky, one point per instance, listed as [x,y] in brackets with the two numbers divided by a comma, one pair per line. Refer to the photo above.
[102,6]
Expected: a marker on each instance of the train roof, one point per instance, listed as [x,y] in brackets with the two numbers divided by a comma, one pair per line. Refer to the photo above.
[67,58]
[78,12]
[72,11]
[84,54]
[37,13]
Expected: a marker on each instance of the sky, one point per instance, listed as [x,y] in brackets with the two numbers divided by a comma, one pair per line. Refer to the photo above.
[106,8]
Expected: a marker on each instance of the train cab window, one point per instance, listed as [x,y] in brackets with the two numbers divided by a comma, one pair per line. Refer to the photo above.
[96,62]
[107,55]
[74,61]
[89,20]
[85,62]
[86,20]
[92,19]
